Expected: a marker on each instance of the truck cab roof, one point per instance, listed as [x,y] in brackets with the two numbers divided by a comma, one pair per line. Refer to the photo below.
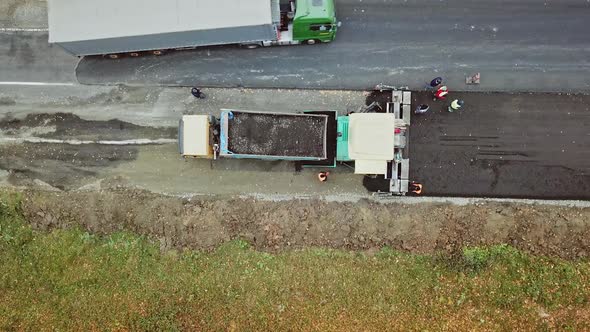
[315,10]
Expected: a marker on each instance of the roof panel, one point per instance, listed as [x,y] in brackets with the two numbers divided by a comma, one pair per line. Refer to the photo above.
[314,9]
[370,166]
[371,136]
[195,135]
[90,19]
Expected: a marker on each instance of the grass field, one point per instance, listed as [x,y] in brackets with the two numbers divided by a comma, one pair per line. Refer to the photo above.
[72,280]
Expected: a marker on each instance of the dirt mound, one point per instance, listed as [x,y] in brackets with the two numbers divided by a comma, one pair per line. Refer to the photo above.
[68,126]
[60,165]
[206,223]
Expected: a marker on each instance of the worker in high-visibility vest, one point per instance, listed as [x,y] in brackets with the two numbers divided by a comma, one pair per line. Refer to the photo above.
[323,176]
[456,105]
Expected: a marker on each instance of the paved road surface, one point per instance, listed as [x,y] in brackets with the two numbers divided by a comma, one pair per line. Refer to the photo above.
[26,57]
[504,145]
[524,45]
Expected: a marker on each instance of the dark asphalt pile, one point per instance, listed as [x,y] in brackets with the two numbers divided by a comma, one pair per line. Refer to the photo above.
[68,125]
[503,145]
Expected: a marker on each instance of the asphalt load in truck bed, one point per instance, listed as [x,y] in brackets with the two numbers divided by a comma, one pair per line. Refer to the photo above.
[286,135]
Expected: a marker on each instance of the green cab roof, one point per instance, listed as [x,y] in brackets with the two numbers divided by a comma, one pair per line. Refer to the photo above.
[314,9]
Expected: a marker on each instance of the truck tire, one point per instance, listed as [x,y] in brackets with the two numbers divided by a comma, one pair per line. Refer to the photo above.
[113,56]
[134,54]
[310,41]
[251,46]
[158,52]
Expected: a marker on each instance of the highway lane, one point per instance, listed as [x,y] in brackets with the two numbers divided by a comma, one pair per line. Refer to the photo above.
[499,145]
[27,57]
[504,145]
[536,166]
[517,45]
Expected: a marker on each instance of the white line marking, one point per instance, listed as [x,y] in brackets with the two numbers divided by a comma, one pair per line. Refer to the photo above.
[24,29]
[139,141]
[38,83]
[351,197]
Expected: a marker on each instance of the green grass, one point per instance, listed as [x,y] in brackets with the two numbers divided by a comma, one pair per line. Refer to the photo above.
[72,280]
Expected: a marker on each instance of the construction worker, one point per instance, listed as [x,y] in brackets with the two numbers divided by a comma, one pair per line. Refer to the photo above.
[196,92]
[434,83]
[441,93]
[421,109]
[415,188]
[323,176]
[455,105]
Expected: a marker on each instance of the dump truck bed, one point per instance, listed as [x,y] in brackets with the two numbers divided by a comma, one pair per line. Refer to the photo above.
[280,136]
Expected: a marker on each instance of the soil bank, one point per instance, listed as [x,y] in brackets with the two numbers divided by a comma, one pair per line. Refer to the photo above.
[205,223]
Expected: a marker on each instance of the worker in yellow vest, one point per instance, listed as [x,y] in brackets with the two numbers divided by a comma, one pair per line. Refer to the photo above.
[456,105]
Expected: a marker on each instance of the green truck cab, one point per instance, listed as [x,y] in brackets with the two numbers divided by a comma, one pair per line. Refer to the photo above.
[315,21]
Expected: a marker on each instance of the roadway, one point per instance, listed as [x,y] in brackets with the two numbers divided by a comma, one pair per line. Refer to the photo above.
[25,56]
[503,145]
[516,45]
[499,145]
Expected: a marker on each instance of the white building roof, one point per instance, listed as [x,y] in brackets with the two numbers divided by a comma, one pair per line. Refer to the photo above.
[75,20]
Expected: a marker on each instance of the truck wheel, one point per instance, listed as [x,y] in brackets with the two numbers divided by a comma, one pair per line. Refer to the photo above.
[134,54]
[113,56]
[310,41]
[158,52]
[250,46]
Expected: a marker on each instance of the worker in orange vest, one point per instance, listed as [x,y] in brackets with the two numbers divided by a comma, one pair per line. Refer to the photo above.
[323,176]
[416,188]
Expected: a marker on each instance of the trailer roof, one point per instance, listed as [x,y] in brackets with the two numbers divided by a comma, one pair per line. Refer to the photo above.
[90,19]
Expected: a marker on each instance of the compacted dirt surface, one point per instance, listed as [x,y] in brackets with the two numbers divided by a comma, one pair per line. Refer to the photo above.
[206,222]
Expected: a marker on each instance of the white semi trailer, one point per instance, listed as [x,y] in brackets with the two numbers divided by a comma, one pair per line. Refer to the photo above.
[132,27]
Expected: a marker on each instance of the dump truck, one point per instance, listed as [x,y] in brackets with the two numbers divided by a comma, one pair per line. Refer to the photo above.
[257,135]
[375,142]
[115,28]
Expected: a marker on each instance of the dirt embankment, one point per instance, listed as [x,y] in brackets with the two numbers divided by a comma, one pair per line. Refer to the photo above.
[365,225]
